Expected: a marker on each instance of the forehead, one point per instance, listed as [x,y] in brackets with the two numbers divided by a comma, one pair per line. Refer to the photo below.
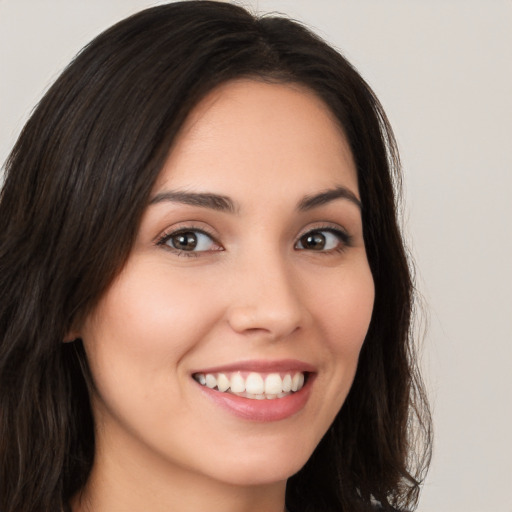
[246,133]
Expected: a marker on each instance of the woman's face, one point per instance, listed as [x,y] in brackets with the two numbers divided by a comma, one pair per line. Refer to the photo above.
[249,275]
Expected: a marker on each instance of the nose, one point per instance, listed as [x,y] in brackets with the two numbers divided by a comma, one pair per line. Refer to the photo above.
[266,298]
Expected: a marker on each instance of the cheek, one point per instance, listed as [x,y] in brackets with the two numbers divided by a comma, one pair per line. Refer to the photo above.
[136,339]
[143,327]
[151,312]
[345,312]
[342,310]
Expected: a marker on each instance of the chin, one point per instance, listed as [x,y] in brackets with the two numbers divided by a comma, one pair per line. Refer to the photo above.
[261,476]
[259,467]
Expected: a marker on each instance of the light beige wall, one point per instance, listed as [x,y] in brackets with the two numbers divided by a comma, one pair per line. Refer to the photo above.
[442,69]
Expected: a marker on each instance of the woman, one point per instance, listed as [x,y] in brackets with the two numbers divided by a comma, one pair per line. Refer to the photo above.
[206,300]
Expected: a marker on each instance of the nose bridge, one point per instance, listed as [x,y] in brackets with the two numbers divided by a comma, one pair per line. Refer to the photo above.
[267,298]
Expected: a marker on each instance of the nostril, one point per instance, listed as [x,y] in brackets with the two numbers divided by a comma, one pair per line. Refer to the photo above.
[265,320]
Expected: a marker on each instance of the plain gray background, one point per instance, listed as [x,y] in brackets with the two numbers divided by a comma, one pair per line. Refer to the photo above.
[442,69]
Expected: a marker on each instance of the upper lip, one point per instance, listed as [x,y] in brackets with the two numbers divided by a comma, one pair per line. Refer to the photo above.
[263,366]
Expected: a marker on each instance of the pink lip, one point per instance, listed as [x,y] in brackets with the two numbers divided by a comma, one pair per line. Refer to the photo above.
[262,410]
[262,366]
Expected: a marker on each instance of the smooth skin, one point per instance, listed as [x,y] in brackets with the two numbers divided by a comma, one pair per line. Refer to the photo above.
[260,277]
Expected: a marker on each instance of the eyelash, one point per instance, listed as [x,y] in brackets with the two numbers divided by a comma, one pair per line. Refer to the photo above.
[345,240]
[162,241]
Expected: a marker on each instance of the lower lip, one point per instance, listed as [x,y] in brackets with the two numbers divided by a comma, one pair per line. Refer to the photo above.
[261,410]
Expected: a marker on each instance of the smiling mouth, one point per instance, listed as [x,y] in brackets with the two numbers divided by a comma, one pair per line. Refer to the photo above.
[254,385]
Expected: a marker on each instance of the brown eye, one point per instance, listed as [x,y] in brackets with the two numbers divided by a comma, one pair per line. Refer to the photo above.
[186,241]
[190,241]
[314,241]
[323,240]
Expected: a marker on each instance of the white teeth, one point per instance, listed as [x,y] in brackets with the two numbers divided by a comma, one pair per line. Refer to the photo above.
[223,382]
[287,383]
[211,381]
[273,384]
[255,386]
[297,381]
[237,383]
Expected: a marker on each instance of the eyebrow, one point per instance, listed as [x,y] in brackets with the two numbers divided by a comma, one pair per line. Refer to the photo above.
[314,201]
[201,199]
[226,204]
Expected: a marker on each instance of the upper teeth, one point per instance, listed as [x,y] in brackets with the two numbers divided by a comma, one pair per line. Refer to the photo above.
[253,385]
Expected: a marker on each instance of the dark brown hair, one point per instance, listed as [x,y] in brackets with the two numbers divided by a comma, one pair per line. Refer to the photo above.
[77,183]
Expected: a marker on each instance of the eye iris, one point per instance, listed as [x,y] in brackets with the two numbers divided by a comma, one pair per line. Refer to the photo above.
[185,241]
[315,241]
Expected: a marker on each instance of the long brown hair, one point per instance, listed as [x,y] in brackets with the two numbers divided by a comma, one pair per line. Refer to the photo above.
[77,183]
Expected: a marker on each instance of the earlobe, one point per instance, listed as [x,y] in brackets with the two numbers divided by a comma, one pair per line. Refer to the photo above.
[71,336]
